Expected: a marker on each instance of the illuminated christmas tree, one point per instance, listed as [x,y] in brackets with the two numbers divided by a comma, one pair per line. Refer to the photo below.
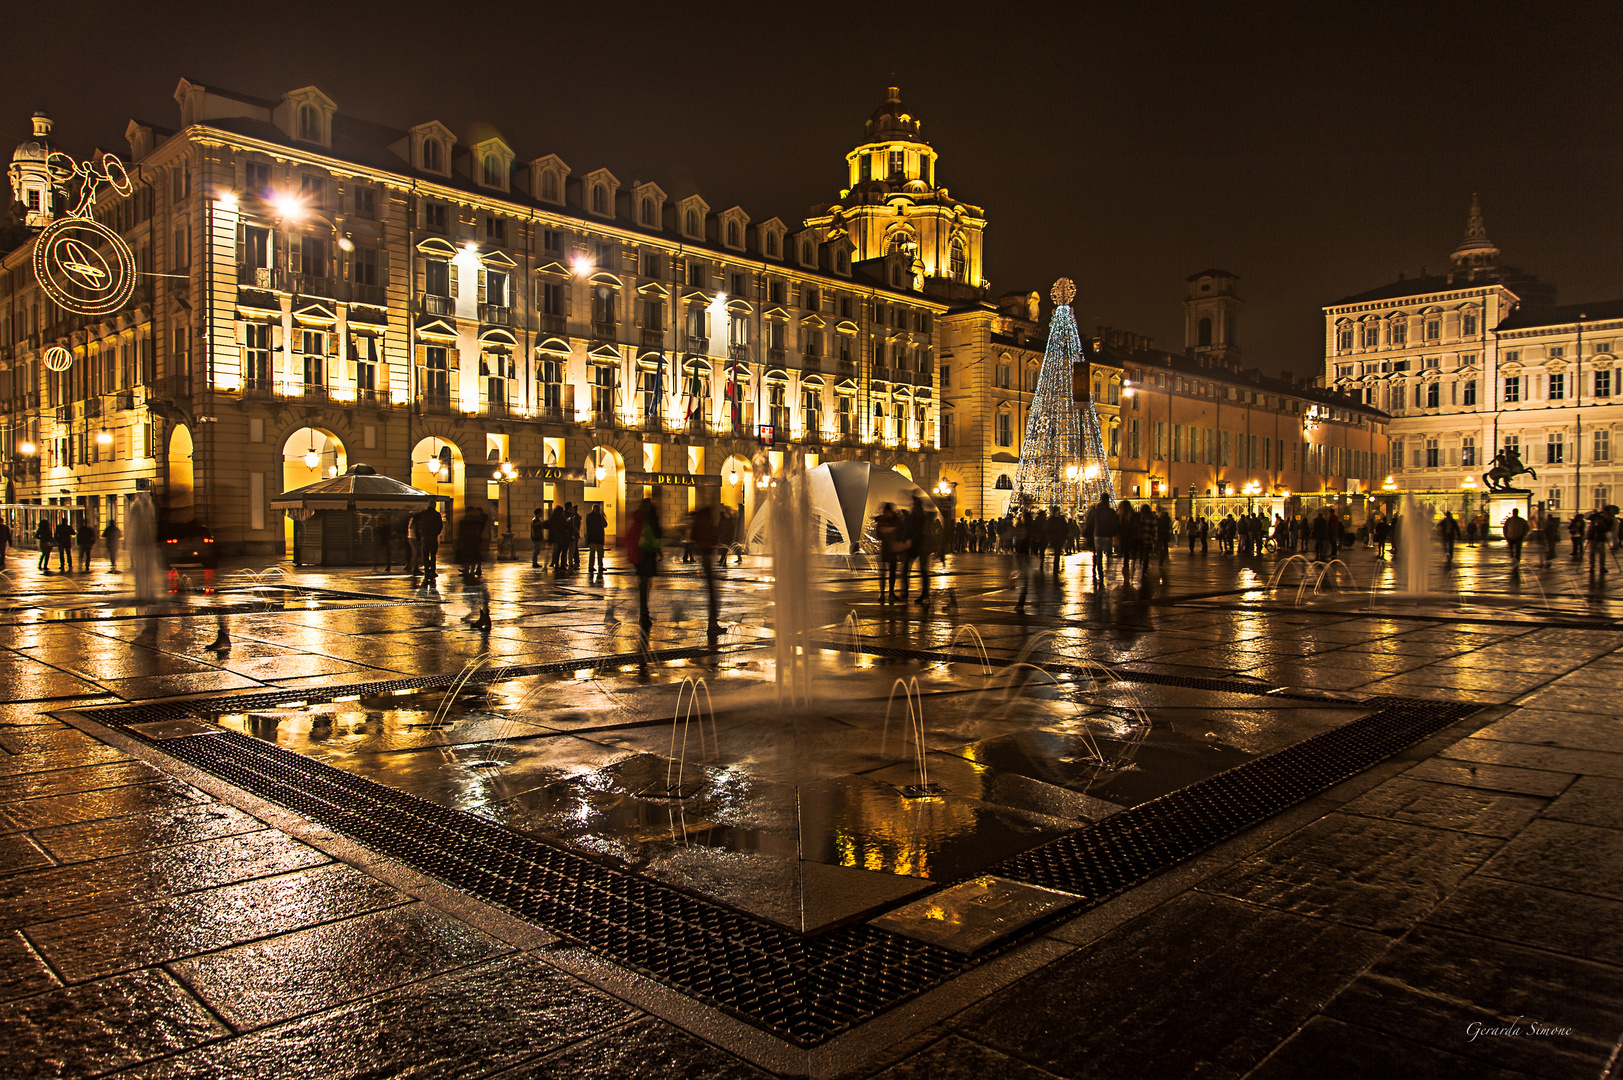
[1062,461]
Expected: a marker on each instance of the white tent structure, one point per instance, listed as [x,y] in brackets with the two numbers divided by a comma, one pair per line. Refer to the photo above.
[844,498]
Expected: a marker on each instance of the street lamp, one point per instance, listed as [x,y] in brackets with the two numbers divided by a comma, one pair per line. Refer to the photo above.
[104,437]
[504,475]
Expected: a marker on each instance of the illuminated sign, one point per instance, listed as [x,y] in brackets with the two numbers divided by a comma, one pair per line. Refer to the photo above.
[81,264]
[660,479]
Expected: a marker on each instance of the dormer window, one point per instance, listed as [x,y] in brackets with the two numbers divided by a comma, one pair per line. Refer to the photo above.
[433,156]
[600,199]
[647,212]
[844,263]
[549,186]
[692,224]
[772,244]
[732,234]
[806,253]
[493,171]
[309,123]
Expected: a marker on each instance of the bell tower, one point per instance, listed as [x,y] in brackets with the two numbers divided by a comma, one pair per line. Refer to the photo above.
[1210,311]
[31,183]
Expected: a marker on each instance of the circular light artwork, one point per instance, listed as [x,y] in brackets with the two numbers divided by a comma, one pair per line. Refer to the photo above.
[81,264]
[84,266]
[1063,292]
[58,359]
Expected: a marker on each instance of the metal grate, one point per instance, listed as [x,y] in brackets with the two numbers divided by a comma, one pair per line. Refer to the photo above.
[805,989]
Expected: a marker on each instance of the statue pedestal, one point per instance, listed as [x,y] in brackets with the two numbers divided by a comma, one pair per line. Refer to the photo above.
[1501,503]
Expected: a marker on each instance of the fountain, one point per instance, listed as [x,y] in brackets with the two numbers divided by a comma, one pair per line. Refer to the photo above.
[1417,540]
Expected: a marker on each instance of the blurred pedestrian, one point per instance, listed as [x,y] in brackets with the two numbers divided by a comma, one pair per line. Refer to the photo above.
[45,536]
[596,523]
[1515,530]
[1552,536]
[1575,529]
[703,533]
[469,547]
[63,542]
[1448,530]
[888,529]
[642,540]
[110,536]
[1602,523]
[5,541]
[538,536]
[430,524]
[85,535]
[383,543]
[572,523]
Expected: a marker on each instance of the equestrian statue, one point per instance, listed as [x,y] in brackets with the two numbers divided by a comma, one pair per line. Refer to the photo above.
[1506,466]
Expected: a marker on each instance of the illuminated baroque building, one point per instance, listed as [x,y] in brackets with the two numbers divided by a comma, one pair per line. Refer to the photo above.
[1192,431]
[1479,359]
[318,290]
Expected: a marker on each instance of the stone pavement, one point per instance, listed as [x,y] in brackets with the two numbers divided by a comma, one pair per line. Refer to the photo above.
[1454,911]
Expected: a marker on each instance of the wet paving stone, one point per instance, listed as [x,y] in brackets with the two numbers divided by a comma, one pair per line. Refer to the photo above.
[1574,731]
[1367,872]
[1551,758]
[22,971]
[1492,777]
[310,970]
[89,946]
[37,761]
[184,823]
[65,891]
[1122,1007]
[1328,1049]
[958,1058]
[63,781]
[36,739]
[19,853]
[99,1027]
[1447,806]
[1434,984]
[155,798]
[647,1049]
[1591,800]
[1583,858]
[468,1023]
[1588,927]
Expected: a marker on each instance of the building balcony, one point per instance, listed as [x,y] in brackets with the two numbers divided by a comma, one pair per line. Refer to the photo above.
[64,414]
[738,352]
[92,407]
[776,356]
[371,295]
[374,399]
[441,306]
[258,389]
[124,400]
[653,339]
[605,331]
[607,418]
[495,315]
[268,278]
[556,325]
[309,285]
[554,414]
[172,387]
[505,410]
[695,344]
[440,402]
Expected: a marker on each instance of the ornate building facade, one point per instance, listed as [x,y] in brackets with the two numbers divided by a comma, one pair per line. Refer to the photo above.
[1478,361]
[317,290]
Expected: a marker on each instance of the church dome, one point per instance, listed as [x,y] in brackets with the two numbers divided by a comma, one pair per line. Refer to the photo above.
[892,121]
[38,148]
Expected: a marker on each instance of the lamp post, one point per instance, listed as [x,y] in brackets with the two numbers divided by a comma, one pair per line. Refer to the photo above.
[504,475]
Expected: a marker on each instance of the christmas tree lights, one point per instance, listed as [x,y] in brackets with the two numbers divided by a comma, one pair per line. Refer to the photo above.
[1062,461]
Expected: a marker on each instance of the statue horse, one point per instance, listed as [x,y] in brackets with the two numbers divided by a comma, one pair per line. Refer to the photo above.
[1499,477]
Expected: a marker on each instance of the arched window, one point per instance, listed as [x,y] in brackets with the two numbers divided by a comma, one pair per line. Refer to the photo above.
[431,155]
[959,264]
[899,240]
[771,243]
[647,211]
[493,170]
[549,185]
[1203,334]
[732,234]
[309,123]
[693,223]
[600,199]
[1004,483]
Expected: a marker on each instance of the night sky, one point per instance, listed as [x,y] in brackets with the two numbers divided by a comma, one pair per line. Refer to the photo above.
[1316,150]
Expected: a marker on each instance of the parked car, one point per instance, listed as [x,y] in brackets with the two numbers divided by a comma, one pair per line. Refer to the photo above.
[187,543]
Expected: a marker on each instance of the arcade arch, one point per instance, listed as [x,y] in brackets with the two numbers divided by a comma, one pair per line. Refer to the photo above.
[606,484]
[437,467]
[179,484]
[308,455]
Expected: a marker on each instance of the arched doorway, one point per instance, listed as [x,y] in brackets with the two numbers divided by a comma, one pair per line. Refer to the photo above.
[178,487]
[738,489]
[309,454]
[437,468]
[606,484]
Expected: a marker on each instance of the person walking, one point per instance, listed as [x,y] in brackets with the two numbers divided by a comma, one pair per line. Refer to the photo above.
[110,536]
[1551,532]
[1059,531]
[572,524]
[596,523]
[887,527]
[383,543]
[85,534]
[1106,526]
[1383,532]
[538,536]
[1602,523]
[1575,529]
[642,541]
[703,532]
[470,543]
[1448,530]
[45,535]
[1515,530]
[5,541]
[63,541]
[1128,538]
[430,523]
[414,545]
